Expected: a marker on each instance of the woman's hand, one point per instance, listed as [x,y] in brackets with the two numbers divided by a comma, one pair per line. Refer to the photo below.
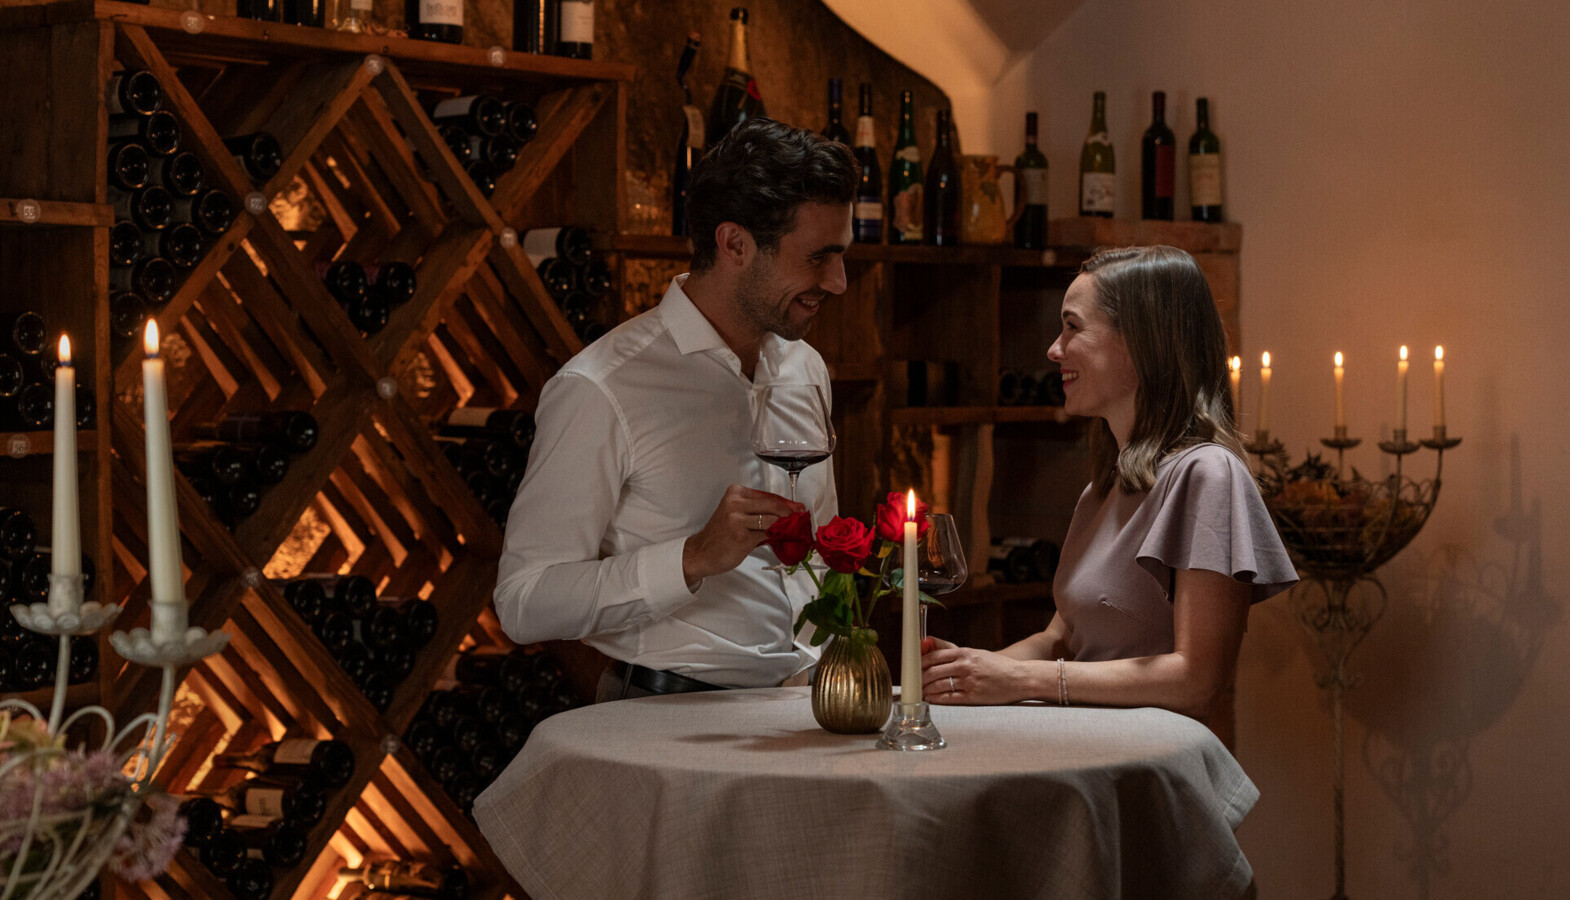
[952,674]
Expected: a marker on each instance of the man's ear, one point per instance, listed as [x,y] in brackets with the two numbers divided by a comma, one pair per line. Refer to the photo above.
[734,245]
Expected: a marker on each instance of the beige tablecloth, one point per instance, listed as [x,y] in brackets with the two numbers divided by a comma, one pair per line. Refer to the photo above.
[740,794]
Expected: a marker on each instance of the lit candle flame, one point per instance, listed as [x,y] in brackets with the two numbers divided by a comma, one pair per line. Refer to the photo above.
[1403,352]
[1338,359]
[1264,359]
[1236,363]
[910,505]
[1439,353]
[65,350]
[150,338]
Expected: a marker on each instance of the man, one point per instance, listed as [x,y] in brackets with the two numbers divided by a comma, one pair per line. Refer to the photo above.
[637,527]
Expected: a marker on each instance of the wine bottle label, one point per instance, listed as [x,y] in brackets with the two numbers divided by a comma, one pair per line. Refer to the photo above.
[908,213]
[694,126]
[469,416]
[252,821]
[577,21]
[909,154]
[1204,179]
[1166,171]
[362,5]
[1097,191]
[452,107]
[441,12]
[1035,186]
[539,244]
[295,751]
[865,133]
[264,802]
[868,211]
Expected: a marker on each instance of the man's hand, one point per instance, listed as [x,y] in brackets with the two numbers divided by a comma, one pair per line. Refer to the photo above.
[735,530]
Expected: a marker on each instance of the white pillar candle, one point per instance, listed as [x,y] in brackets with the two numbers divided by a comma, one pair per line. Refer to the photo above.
[910,645]
[1401,391]
[1263,425]
[1439,387]
[163,523]
[65,540]
[1340,397]
[1236,365]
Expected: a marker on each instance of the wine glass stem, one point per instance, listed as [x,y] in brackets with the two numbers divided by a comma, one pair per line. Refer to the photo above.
[793,486]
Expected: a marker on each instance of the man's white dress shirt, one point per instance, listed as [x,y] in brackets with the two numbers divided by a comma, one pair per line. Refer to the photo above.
[637,439]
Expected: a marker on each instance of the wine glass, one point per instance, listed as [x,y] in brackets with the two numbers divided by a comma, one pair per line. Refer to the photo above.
[940,561]
[792,428]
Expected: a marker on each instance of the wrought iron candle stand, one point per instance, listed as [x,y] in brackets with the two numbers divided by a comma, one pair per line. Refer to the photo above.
[53,855]
[1338,532]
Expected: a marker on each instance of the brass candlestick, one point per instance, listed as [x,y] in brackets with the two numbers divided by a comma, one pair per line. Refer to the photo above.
[1338,531]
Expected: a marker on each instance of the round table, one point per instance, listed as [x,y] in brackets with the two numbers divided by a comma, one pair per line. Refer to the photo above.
[741,794]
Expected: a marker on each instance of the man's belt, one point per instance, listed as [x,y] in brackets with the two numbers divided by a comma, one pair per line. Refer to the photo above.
[657,682]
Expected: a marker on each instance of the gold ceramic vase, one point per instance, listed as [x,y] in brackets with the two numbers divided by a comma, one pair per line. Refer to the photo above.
[852,691]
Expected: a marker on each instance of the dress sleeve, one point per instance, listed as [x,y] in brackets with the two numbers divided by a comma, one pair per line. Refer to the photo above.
[1209,515]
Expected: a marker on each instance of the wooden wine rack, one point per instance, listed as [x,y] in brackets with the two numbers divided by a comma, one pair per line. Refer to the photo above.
[252,327]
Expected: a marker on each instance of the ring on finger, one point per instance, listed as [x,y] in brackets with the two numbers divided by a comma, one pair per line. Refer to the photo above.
[952,689]
[760,521]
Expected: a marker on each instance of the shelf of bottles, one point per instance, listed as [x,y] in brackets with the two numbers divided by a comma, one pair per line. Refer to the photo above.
[356,331]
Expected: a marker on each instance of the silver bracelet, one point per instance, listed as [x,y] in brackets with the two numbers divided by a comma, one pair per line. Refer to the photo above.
[1062,684]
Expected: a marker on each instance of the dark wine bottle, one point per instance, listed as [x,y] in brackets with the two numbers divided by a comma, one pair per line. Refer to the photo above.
[125,243]
[335,629]
[225,464]
[311,13]
[521,125]
[534,26]
[1158,163]
[345,279]
[86,406]
[575,29]
[258,153]
[18,534]
[33,664]
[307,598]
[280,841]
[151,208]
[737,98]
[397,282]
[483,176]
[422,738]
[595,278]
[268,463]
[835,129]
[413,878]
[204,819]
[223,853]
[420,620]
[252,878]
[572,243]
[180,243]
[690,148]
[210,210]
[25,333]
[559,277]
[378,686]
[260,10]
[127,315]
[485,421]
[12,376]
[129,166]
[1204,168]
[1098,166]
[329,762]
[369,312]
[301,801]
[153,278]
[83,665]
[1030,167]
[181,174]
[481,114]
[457,140]
[867,214]
[355,594]
[35,407]
[497,151]
[905,181]
[942,189]
[133,92]
[435,20]
[158,132]
[296,429]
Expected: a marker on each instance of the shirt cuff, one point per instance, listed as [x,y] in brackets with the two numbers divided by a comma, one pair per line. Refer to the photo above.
[659,572]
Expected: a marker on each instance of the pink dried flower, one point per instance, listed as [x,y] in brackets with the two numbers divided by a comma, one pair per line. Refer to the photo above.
[146,848]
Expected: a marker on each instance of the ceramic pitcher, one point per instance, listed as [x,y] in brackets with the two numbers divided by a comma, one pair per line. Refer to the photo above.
[982,217]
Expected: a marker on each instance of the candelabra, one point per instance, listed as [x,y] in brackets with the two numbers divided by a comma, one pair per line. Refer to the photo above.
[1339,530]
[52,853]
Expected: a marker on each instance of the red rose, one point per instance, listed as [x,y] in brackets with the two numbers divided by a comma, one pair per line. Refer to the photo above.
[790,537]
[891,518]
[845,544]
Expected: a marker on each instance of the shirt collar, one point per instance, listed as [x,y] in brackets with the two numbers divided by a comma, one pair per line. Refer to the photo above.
[693,333]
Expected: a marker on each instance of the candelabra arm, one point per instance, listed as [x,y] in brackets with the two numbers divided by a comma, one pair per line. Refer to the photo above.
[62,680]
[165,703]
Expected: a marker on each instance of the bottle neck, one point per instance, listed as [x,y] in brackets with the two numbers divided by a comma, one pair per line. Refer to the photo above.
[738,47]
[1030,130]
[1158,109]
[907,127]
[1202,116]
[1098,116]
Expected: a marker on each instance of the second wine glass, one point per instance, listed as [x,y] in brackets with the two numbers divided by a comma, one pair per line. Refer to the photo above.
[940,561]
[792,429]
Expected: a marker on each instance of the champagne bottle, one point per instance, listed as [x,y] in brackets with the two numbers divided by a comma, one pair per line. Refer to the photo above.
[534,26]
[1157,163]
[329,762]
[737,98]
[575,29]
[1030,230]
[296,429]
[867,214]
[153,278]
[150,208]
[942,194]
[260,10]
[480,114]
[133,92]
[572,243]
[158,132]
[905,181]
[259,154]
[1097,166]
[1204,168]
[354,16]
[690,148]
[125,243]
[435,20]
[129,166]
[211,210]
[311,13]
[181,174]
[835,129]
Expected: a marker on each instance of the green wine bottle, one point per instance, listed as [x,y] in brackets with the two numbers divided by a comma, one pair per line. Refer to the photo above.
[1097,166]
[905,181]
[737,99]
[1030,230]
[1204,168]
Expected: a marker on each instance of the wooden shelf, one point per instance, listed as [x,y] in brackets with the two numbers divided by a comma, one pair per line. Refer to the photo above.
[1088,233]
[977,415]
[17,444]
[58,213]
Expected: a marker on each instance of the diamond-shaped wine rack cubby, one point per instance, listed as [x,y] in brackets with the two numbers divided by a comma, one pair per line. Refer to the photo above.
[366,178]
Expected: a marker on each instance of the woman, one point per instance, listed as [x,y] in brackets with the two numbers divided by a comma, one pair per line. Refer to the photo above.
[1171,543]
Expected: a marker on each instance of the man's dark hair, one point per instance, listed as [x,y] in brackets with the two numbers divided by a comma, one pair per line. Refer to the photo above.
[757,177]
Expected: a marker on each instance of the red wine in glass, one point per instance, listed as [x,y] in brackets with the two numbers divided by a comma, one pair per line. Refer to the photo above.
[791,429]
[793,461]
